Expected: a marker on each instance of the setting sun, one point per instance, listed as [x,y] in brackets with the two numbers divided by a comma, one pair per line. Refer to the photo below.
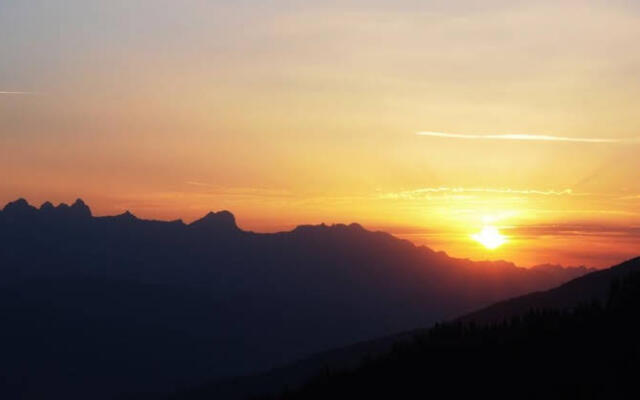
[489,237]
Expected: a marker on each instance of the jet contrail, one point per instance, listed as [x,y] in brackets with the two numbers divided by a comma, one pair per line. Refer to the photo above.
[529,137]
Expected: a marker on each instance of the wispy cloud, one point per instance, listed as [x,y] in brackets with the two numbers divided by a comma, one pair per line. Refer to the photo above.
[196,183]
[527,137]
[14,92]
[420,193]
[630,197]
[213,189]
[585,229]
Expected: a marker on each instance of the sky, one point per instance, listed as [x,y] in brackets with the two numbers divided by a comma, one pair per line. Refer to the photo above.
[427,119]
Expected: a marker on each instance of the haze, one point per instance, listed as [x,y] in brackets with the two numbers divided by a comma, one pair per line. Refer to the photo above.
[430,120]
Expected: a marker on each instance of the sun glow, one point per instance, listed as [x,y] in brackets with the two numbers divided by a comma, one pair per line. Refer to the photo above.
[489,237]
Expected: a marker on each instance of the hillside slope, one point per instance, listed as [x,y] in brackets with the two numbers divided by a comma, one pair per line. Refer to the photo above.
[583,346]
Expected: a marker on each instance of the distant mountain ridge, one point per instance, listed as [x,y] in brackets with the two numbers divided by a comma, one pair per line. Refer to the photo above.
[222,300]
[594,286]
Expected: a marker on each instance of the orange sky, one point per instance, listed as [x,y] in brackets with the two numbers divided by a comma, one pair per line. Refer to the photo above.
[288,113]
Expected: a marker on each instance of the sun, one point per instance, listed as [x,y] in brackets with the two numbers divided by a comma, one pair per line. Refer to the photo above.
[489,237]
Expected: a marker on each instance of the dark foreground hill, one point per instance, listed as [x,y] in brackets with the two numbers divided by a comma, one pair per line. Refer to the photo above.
[97,307]
[579,341]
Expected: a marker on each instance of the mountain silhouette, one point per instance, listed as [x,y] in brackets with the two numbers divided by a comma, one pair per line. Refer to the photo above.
[134,306]
[577,341]
[220,221]
[594,286]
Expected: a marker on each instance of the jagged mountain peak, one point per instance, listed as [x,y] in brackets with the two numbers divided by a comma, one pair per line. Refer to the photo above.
[19,208]
[47,206]
[221,220]
[127,216]
[355,227]
[80,209]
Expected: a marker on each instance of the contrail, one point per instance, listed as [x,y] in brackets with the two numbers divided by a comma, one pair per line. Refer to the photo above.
[541,138]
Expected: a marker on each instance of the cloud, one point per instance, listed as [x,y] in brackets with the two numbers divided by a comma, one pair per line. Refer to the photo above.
[195,183]
[14,92]
[420,193]
[213,189]
[575,230]
[630,197]
[527,137]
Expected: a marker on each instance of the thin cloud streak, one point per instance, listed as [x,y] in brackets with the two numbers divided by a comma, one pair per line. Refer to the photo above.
[420,193]
[527,137]
[575,230]
[13,92]
[212,189]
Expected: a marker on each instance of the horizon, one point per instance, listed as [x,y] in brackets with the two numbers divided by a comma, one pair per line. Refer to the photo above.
[483,129]
[398,232]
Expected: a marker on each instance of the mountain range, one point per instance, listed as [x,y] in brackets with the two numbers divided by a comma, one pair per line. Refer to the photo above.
[134,306]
